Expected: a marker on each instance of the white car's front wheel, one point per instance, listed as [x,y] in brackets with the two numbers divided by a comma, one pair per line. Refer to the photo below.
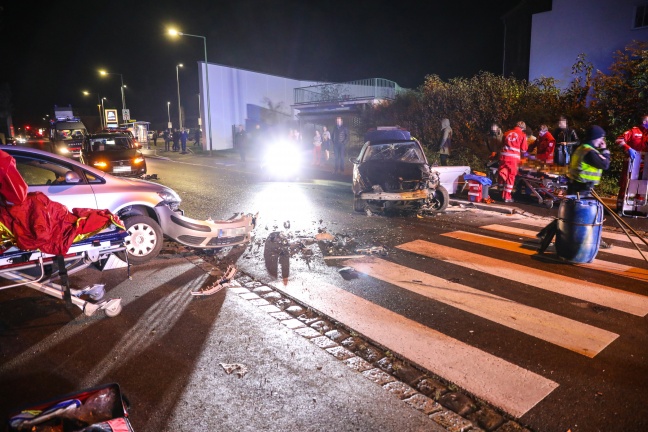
[144,240]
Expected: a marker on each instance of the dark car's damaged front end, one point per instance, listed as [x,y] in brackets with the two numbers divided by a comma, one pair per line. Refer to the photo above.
[391,171]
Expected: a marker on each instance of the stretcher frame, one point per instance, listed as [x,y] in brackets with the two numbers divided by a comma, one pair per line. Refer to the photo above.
[545,188]
[633,202]
[15,265]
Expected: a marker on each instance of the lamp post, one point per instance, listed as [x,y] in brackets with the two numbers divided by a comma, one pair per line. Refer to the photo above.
[179,65]
[169,114]
[99,106]
[103,113]
[174,32]
[103,72]
[199,122]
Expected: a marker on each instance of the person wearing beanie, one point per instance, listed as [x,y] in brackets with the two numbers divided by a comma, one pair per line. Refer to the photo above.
[588,162]
[513,145]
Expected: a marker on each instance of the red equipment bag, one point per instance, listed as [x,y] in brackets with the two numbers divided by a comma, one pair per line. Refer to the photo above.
[100,408]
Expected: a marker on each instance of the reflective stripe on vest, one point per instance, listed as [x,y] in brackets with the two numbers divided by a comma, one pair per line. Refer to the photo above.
[581,171]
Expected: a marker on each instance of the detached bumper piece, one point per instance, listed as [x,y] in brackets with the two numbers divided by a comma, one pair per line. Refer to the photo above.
[207,234]
[224,282]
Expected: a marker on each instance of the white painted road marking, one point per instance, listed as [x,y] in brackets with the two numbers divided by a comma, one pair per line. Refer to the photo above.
[531,249]
[631,303]
[567,333]
[616,250]
[503,384]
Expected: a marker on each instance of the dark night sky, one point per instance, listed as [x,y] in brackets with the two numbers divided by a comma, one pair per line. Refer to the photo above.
[51,52]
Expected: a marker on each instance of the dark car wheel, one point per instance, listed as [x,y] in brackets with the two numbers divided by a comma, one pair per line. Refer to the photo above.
[439,201]
[144,240]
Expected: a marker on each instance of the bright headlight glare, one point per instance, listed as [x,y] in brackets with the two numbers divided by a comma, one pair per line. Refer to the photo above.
[100,164]
[138,160]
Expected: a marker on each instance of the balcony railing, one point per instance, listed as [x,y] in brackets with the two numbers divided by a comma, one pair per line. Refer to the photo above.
[373,88]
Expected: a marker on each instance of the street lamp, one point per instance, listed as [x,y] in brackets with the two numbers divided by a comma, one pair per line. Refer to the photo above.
[199,122]
[99,105]
[169,114]
[103,72]
[174,32]
[179,105]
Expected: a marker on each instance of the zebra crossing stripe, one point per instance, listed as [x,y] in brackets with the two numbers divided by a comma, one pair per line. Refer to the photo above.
[528,248]
[513,389]
[624,301]
[541,223]
[616,250]
[575,336]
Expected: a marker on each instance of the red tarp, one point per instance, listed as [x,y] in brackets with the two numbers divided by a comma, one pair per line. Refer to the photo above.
[35,222]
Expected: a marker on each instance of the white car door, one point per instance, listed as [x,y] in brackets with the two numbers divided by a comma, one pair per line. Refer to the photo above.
[48,175]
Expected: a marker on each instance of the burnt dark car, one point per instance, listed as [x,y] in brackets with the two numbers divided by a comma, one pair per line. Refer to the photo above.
[392,171]
[115,153]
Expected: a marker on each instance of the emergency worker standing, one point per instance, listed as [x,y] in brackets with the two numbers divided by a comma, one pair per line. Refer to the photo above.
[588,162]
[632,141]
[635,138]
[545,145]
[513,146]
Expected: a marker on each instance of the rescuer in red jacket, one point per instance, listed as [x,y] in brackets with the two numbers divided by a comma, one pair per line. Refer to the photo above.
[636,138]
[632,141]
[514,145]
[545,145]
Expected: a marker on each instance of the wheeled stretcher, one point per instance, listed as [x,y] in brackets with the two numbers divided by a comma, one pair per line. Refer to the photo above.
[545,186]
[632,200]
[34,269]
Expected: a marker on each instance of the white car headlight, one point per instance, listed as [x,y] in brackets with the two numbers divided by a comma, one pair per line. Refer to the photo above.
[169,196]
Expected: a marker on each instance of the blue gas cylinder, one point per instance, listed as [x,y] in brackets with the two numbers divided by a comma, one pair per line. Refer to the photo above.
[580,224]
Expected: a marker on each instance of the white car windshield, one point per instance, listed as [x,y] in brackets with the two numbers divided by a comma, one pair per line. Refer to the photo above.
[402,152]
[69,134]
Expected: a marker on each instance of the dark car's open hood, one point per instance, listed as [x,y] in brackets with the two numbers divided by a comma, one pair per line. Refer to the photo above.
[393,176]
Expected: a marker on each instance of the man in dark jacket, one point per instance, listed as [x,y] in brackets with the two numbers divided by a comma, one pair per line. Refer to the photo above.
[566,140]
[340,141]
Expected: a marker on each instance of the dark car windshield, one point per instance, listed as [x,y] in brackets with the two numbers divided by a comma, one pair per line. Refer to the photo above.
[402,152]
[110,144]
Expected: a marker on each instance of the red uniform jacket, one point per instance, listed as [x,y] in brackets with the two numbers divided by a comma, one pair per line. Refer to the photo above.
[515,143]
[35,222]
[635,138]
[545,145]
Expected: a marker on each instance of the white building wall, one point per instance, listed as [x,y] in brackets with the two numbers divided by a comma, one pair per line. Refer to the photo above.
[595,27]
[230,90]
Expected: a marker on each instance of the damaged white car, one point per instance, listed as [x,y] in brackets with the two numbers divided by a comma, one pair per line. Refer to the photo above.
[149,210]
[392,171]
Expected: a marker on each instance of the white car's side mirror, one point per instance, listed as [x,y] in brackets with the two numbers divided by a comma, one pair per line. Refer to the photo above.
[72,177]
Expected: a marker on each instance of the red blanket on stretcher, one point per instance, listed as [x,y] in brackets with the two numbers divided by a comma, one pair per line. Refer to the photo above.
[32,221]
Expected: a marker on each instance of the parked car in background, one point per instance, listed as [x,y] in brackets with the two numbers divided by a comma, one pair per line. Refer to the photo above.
[149,210]
[114,153]
[127,132]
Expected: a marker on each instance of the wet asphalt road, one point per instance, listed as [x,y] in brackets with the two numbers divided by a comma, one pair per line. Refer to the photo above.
[178,352]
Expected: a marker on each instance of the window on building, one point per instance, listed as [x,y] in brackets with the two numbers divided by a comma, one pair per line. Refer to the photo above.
[641,16]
